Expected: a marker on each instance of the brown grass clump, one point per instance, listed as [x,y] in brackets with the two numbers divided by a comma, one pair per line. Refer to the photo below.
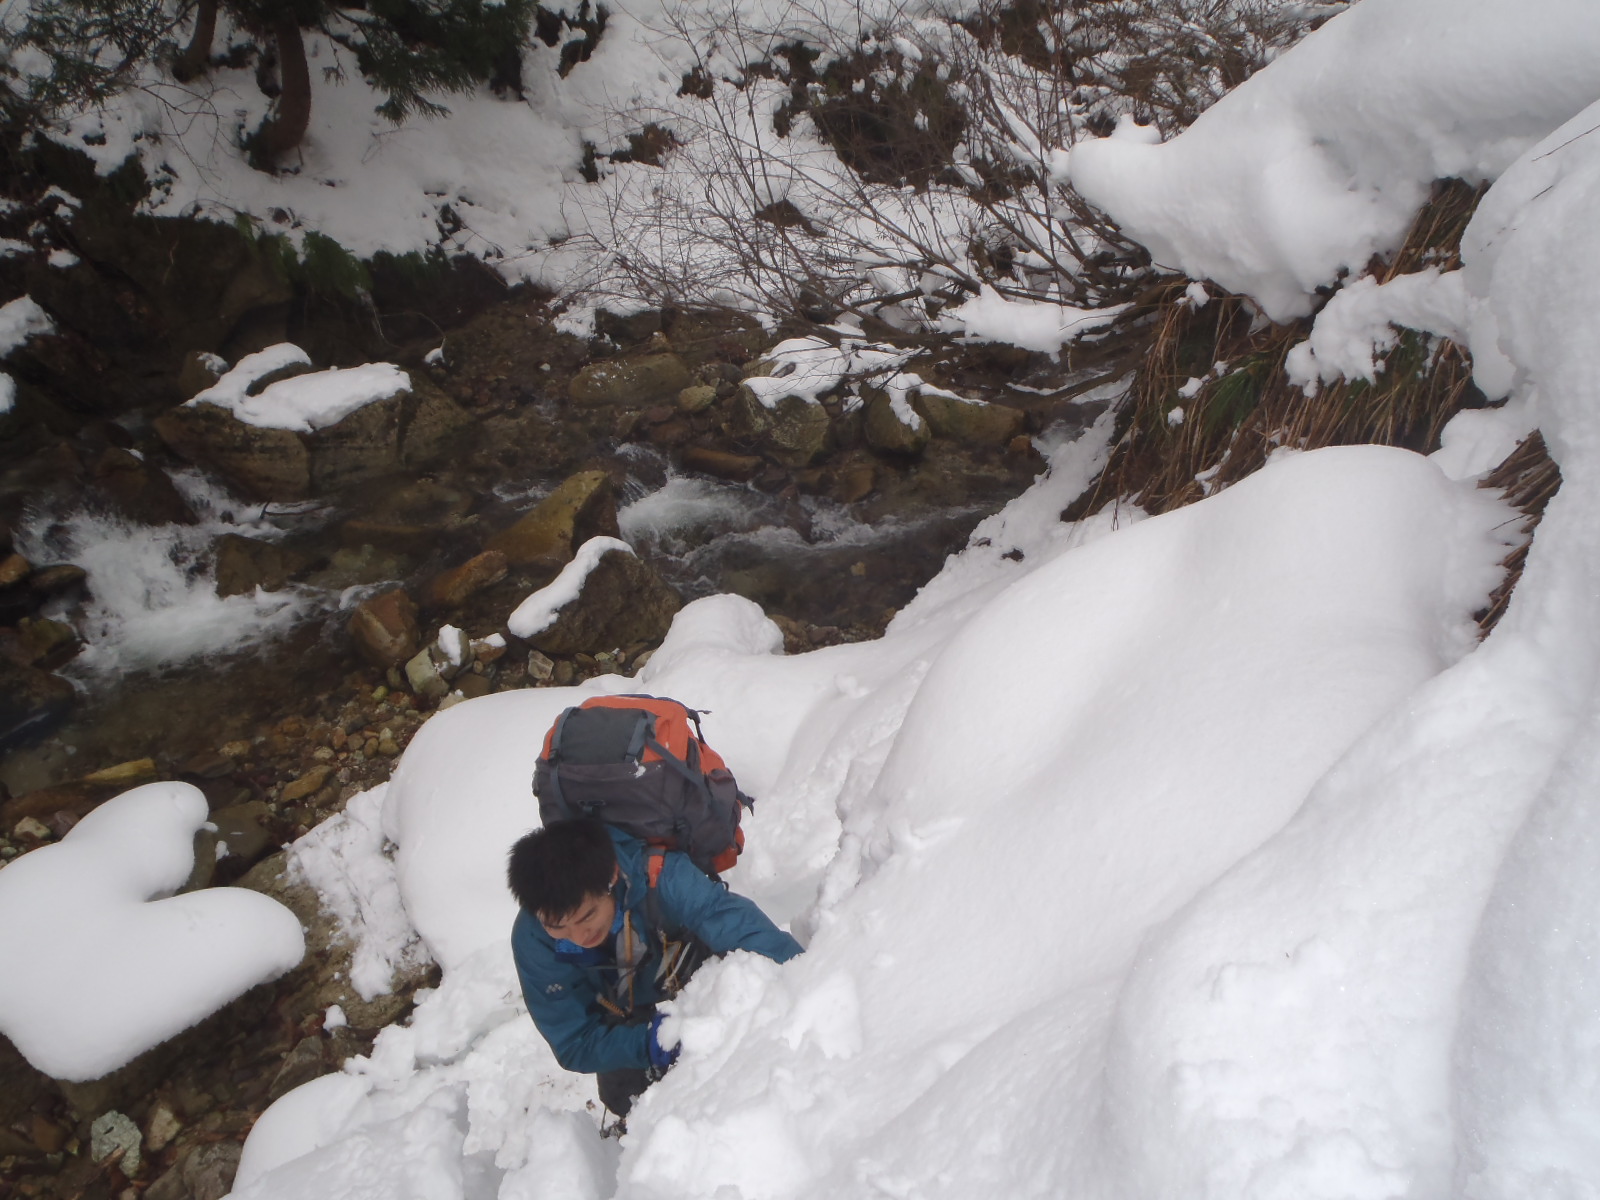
[1247,408]
[1528,479]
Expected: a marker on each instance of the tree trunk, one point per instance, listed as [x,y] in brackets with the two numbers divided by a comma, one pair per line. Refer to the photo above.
[196,55]
[283,130]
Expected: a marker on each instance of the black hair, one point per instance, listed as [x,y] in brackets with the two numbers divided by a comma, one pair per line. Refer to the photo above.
[552,870]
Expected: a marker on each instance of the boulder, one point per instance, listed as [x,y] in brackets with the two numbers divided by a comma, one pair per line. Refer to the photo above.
[584,506]
[137,490]
[793,432]
[385,628]
[453,588]
[632,381]
[622,601]
[722,463]
[267,464]
[244,564]
[888,432]
[202,1171]
[969,422]
[363,446]
[407,429]
[32,703]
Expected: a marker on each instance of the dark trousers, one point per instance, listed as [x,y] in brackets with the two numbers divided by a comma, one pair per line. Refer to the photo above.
[618,1089]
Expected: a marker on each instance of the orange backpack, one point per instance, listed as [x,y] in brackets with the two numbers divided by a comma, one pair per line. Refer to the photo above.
[641,763]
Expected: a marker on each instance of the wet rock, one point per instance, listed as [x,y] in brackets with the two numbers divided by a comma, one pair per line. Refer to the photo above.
[633,381]
[385,628]
[406,429]
[44,643]
[697,398]
[623,600]
[969,422]
[888,432]
[306,785]
[201,369]
[32,703]
[741,468]
[301,1065]
[267,464]
[454,587]
[14,569]
[584,506]
[124,774]
[628,328]
[469,685]
[204,1171]
[244,564]
[161,1127]
[57,579]
[793,432]
[114,1134]
[424,678]
[137,490]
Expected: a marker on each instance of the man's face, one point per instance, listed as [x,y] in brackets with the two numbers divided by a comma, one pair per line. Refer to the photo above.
[589,924]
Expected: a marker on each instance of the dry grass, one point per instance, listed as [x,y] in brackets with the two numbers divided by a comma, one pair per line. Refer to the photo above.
[1527,479]
[1248,408]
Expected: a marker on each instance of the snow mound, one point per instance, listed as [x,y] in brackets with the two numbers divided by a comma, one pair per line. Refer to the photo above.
[100,968]
[302,403]
[1313,165]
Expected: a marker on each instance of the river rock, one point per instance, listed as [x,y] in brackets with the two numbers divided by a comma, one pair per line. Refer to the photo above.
[244,564]
[202,1171]
[14,569]
[888,432]
[632,381]
[46,644]
[406,429]
[724,464]
[137,490]
[385,628]
[584,506]
[793,432]
[267,464]
[454,587]
[697,398]
[970,422]
[32,703]
[623,600]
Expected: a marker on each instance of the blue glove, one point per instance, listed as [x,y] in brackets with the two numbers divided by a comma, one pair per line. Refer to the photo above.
[660,1058]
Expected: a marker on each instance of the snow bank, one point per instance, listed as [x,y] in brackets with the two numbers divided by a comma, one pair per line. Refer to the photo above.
[1028,324]
[99,967]
[303,403]
[1312,166]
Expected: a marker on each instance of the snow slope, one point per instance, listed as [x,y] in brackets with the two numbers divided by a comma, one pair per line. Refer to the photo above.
[1203,855]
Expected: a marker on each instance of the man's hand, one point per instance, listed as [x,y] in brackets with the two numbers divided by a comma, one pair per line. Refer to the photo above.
[660,1057]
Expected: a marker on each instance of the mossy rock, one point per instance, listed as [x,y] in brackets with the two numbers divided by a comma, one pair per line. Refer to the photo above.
[887,432]
[794,432]
[584,506]
[969,422]
[631,381]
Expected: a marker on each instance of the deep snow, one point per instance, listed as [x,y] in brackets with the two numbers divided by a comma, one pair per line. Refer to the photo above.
[1203,855]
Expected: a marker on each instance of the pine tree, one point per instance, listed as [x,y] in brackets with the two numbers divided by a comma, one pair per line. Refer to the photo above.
[59,56]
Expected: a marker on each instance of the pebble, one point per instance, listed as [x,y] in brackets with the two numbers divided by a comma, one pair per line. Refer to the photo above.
[162,1127]
[387,745]
[540,666]
[31,827]
[112,1132]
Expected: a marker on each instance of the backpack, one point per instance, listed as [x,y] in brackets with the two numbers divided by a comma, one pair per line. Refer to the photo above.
[641,763]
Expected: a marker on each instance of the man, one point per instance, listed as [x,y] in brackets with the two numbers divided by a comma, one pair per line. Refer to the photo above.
[597,947]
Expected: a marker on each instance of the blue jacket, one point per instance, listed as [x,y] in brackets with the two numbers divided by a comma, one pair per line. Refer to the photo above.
[561,982]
